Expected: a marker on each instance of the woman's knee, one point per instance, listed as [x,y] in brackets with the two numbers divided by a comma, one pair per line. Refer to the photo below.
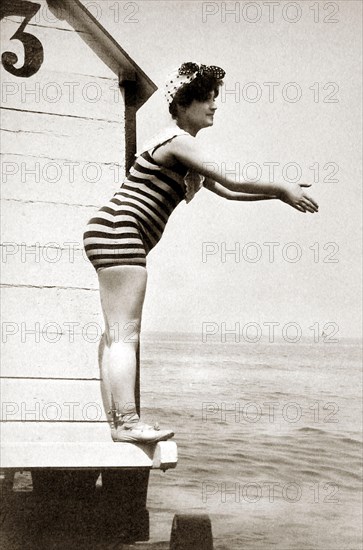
[124,333]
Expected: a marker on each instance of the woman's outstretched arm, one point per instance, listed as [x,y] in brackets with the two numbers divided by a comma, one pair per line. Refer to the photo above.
[222,191]
[186,150]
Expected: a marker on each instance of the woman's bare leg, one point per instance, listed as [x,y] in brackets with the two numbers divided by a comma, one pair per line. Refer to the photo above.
[122,292]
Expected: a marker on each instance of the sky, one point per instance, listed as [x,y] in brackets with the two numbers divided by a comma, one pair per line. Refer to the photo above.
[290,109]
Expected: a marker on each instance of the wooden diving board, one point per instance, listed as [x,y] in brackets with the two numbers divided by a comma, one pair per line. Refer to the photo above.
[93,455]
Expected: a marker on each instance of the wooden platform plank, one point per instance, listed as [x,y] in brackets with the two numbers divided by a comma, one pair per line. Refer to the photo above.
[51,266]
[61,225]
[43,400]
[39,178]
[50,312]
[58,432]
[63,93]
[71,357]
[88,455]
[75,139]
[55,329]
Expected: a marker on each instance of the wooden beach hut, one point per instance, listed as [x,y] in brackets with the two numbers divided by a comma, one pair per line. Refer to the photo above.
[70,95]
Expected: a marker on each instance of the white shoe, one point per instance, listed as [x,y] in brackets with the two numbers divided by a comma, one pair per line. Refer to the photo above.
[133,430]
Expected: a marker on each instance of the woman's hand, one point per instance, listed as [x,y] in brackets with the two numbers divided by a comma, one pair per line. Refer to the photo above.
[295,196]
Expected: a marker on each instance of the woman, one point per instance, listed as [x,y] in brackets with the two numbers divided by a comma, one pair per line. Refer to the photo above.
[172,167]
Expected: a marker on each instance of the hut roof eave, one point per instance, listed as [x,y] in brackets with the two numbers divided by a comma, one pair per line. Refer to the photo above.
[105,47]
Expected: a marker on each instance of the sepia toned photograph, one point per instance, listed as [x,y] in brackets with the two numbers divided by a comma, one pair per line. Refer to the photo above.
[181,275]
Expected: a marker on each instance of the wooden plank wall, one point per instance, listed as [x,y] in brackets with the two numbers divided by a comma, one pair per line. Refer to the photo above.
[63,152]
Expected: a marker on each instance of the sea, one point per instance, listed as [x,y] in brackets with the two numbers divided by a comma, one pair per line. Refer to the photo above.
[269,438]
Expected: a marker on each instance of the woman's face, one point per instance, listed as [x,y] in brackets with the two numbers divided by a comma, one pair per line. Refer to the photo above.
[200,114]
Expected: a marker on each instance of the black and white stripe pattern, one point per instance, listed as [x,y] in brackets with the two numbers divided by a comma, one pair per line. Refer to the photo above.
[125,229]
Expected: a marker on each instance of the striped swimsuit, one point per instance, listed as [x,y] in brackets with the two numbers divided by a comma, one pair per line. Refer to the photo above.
[125,229]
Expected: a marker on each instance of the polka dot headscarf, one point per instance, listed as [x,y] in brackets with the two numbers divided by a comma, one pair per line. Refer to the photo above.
[185,74]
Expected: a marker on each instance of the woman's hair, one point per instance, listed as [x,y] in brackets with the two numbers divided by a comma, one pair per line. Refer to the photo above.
[198,89]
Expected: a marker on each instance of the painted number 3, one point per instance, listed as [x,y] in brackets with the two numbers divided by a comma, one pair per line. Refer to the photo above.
[33,49]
